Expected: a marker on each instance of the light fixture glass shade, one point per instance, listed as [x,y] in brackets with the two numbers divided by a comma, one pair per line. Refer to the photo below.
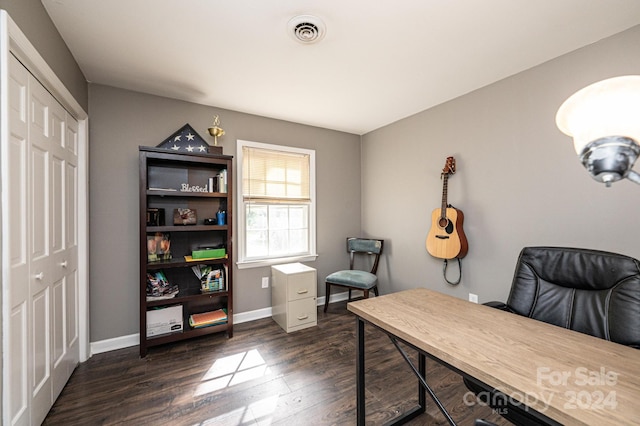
[604,109]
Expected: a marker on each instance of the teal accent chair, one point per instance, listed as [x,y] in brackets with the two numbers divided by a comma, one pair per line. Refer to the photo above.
[354,279]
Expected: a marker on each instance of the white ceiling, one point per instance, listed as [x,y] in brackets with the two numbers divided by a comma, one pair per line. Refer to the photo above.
[380,61]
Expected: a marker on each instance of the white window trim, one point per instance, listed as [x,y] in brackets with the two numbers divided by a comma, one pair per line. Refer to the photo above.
[245,264]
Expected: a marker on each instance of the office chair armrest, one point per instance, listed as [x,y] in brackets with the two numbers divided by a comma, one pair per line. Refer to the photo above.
[500,305]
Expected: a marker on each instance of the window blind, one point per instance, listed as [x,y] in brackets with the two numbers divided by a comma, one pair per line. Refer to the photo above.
[275,176]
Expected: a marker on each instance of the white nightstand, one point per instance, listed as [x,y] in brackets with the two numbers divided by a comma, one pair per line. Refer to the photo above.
[293,296]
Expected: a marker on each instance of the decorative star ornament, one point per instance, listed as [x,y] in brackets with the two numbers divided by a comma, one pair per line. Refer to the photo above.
[185,140]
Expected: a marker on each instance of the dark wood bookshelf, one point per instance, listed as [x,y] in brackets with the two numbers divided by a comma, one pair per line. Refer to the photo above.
[162,176]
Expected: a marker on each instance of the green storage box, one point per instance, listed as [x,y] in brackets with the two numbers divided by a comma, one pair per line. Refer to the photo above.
[208,253]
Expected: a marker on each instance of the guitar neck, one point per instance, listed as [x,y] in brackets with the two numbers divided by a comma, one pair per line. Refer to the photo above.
[443,208]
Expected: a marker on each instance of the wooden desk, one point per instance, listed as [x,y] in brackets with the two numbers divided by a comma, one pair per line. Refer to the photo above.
[570,377]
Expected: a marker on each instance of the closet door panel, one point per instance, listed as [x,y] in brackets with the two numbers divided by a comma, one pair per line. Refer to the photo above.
[71,176]
[57,134]
[72,304]
[39,203]
[71,242]
[18,367]
[58,336]
[15,230]
[57,205]
[42,265]
[17,220]
[40,354]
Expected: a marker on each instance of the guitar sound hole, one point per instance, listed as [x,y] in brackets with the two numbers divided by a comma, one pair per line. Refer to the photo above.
[446,224]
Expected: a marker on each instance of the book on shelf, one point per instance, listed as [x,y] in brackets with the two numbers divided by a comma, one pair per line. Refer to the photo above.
[162,189]
[159,287]
[206,319]
[165,296]
[219,182]
[223,180]
[190,258]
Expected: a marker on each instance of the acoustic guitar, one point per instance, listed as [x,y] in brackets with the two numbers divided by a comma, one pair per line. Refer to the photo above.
[446,239]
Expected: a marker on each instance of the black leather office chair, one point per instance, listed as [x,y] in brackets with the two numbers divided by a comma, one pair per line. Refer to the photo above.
[589,291]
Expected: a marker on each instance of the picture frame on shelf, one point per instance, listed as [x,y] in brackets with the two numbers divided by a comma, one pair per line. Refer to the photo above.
[185,217]
[155,217]
[158,246]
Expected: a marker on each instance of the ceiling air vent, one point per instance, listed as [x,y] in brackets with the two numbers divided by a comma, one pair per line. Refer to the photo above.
[306,29]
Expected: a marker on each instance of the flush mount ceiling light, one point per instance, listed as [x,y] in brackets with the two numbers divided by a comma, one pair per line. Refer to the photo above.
[306,29]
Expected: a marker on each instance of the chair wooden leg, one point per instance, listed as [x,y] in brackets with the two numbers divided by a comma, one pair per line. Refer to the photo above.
[366,294]
[349,299]
[375,291]
[326,296]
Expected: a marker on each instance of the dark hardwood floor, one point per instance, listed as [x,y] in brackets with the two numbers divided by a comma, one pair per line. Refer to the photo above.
[261,376]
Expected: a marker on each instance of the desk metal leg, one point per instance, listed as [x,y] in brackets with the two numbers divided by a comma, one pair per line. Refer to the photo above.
[360,382]
[360,398]
[420,374]
[422,367]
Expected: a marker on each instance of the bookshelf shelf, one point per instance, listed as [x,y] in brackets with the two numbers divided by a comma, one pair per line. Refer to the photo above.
[185,298]
[181,263]
[187,334]
[162,175]
[186,228]
[164,193]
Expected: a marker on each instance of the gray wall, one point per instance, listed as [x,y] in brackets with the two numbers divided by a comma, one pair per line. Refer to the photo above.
[34,22]
[519,181]
[123,120]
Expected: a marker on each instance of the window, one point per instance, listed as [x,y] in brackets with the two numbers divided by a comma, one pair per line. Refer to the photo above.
[276,204]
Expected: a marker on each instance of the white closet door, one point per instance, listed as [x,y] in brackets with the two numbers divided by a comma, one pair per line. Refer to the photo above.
[69,263]
[44,277]
[45,302]
[17,233]
[63,244]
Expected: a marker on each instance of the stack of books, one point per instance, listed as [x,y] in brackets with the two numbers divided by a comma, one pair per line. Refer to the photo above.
[218,183]
[207,319]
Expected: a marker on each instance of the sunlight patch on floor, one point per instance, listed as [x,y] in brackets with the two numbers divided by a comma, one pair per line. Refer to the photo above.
[233,370]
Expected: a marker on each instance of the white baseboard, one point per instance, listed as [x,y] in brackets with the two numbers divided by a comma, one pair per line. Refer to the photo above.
[338,297]
[115,343]
[134,339]
[251,315]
